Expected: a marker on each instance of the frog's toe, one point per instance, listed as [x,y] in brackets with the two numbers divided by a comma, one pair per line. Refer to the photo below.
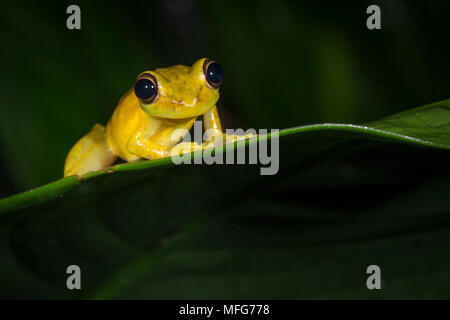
[185,147]
[230,138]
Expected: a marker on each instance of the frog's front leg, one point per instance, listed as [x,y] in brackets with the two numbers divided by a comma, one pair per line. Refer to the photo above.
[213,128]
[147,149]
[212,125]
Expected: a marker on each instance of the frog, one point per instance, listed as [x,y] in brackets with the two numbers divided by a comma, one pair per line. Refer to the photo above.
[143,124]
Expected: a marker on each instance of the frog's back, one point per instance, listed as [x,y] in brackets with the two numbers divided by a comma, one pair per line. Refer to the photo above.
[124,122]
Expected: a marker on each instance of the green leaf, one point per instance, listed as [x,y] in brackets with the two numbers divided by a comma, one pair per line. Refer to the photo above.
[345,197]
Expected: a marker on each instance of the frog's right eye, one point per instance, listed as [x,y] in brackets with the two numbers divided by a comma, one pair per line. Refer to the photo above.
[146,88]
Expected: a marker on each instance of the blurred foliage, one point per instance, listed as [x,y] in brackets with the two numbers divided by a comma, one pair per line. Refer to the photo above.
[286,63]
[155,230]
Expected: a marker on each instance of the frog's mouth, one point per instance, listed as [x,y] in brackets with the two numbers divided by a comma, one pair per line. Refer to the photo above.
[175,109]
[184,103]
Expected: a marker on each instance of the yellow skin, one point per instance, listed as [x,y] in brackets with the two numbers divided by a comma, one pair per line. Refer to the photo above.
[143,130]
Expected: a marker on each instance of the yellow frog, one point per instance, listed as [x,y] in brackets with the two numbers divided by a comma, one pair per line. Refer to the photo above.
[142,124]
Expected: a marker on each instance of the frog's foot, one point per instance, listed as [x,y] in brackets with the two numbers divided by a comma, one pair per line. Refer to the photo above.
[218,138]
[90,153]
[188,147]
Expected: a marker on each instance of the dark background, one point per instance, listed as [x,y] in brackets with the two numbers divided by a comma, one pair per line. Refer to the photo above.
[286,63]
[225,231]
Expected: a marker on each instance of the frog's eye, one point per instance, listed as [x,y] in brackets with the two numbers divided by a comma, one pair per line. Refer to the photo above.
[213,73]
[146,88]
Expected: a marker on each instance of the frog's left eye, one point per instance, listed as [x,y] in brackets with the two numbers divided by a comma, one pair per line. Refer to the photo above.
[146,88]
[213,73]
